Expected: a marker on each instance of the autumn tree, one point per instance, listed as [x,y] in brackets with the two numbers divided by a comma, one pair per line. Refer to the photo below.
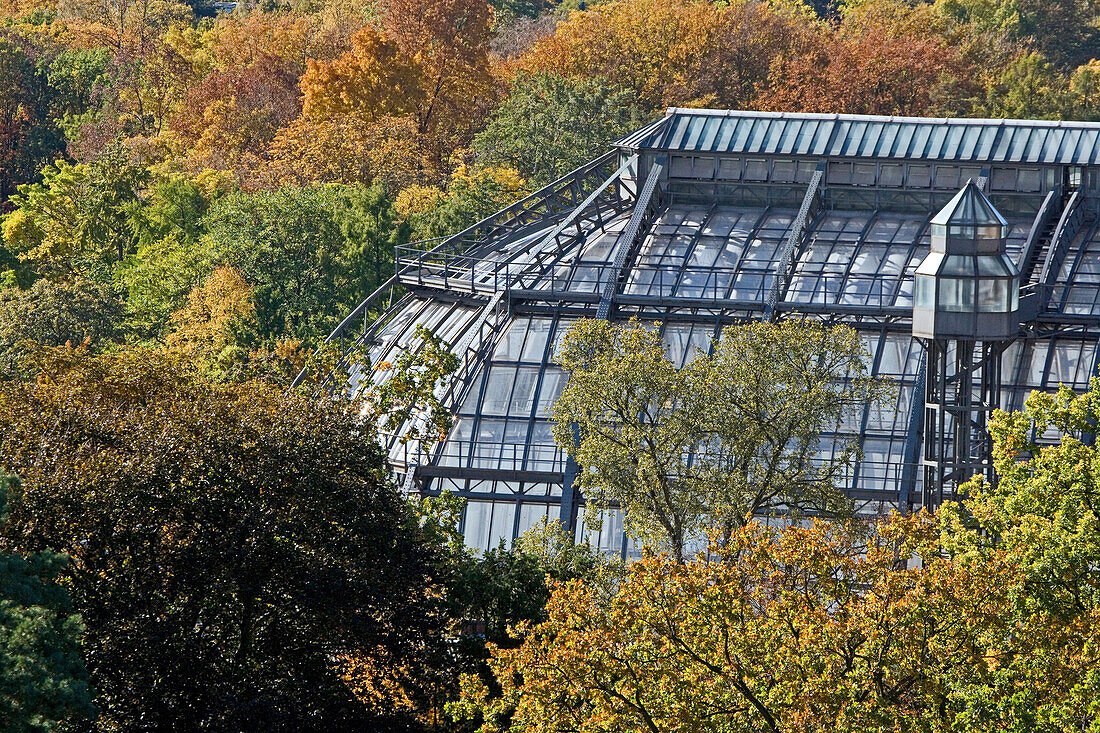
[548,125]
[205,326]
[373,79]
[128,28]
[146,75]
[449,41]
[427,61]
[229,545]
[227,120]
[884,57]
[21,113]
[346,149]
[732,436]
[674,52]
[817,628]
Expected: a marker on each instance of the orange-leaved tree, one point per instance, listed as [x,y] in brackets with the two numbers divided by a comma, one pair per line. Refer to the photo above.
[806,629]
[884,57]
[427,61]
[675,52]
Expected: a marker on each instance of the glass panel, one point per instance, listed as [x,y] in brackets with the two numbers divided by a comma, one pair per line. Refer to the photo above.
[993,296]
[531,514]
[510,346]
[498,390]
[956,295]
[500,531]
[553,382]
[523,396]
[479,515]
[925,292]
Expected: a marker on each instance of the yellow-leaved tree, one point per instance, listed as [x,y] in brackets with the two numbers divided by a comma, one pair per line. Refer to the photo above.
[205,326]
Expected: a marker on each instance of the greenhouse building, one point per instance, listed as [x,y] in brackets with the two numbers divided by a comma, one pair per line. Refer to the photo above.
[966,253]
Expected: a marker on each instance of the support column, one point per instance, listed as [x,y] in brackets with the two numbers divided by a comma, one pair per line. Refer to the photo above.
[962,388]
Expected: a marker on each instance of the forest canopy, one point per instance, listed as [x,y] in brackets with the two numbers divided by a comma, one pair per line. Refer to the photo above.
[194,194]
[144,144]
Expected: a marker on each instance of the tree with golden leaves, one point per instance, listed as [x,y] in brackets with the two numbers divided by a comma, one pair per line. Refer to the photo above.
[204,327]
[674,52]
[427,61]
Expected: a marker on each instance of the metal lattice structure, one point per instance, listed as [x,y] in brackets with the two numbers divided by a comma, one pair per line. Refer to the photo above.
[706,218]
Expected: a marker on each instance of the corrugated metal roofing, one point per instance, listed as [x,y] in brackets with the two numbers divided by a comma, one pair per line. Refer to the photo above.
[836,135]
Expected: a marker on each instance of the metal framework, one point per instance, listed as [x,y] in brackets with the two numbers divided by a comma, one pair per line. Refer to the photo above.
[707,218]
[962,388]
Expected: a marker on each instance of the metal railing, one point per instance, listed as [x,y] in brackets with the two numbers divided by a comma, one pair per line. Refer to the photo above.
[558,197]
[1039,225]
[794,242]
[379,302]
[464,269]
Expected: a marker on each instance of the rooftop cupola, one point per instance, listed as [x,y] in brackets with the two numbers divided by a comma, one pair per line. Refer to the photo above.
[967,287]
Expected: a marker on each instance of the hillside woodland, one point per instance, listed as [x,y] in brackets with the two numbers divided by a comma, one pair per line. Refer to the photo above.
[192,197]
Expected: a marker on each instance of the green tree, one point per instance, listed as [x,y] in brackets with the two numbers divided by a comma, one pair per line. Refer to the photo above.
[733,435]
[43,682]
[1043,518]
[168,259]
[76,222]
[230,545]
[77,78]
[549,125]
[42,87]
[1030,88]
[52,314]
[473,193]
[311,253]
[1064,31]
[369,224]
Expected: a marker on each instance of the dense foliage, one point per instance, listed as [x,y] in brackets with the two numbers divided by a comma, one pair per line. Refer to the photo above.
[980,617]
[42,677]
[229,545]
[190,201]
[145,143]
[732,435]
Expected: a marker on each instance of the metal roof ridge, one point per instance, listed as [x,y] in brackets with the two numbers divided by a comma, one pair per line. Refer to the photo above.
[984,121]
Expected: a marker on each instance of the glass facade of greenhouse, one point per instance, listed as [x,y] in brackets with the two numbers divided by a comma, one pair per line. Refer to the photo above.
[706,218]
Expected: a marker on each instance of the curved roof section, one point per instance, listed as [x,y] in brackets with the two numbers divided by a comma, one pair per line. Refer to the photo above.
[969,207]
[840,135]
[705,244]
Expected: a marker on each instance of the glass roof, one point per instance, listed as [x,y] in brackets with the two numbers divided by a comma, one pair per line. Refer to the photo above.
[501,450]
[726,248]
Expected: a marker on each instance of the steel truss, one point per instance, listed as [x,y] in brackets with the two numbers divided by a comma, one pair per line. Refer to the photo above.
[510,264]
[962,388]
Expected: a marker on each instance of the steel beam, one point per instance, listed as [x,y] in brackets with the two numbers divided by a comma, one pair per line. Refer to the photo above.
[793,246]
[629,240]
